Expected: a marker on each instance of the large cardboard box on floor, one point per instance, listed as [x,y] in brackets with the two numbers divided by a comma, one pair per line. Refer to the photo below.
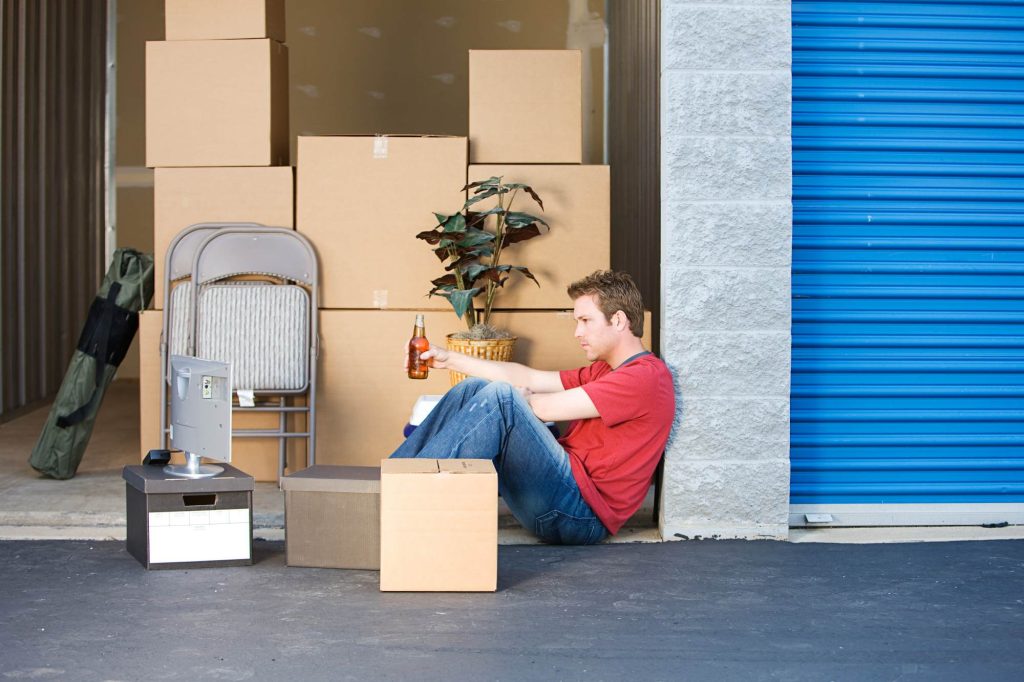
[577,207]
[216,103]
[255,456]
[365,399]
[342,500]
[223,19]
[438,525]
[363,199]
[525,106]
[186,196]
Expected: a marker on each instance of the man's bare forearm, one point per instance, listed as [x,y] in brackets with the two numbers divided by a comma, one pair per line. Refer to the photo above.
[492,370]
[537,381]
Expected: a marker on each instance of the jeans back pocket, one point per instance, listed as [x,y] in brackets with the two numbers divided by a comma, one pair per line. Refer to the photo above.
[559,528]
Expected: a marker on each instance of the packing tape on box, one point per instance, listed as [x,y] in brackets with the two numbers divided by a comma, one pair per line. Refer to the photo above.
[246,397]
[380,147]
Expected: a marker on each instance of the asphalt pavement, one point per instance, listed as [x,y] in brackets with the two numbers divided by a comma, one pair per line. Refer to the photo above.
[698,610]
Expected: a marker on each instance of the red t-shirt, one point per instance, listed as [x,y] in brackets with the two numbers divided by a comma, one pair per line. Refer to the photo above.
[614,456]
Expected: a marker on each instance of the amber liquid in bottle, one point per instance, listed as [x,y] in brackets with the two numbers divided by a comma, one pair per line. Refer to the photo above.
[418,368]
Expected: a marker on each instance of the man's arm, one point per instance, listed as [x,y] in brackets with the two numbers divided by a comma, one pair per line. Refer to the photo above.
[563,405]
[537,381]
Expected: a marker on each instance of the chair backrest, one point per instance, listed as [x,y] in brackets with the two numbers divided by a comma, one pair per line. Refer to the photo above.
[266,331]
[273,251]
[182,251]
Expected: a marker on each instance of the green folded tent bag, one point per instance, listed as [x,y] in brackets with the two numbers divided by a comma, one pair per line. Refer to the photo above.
[113,320]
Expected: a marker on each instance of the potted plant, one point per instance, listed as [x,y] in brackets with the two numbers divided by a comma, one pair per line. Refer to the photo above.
[471,243]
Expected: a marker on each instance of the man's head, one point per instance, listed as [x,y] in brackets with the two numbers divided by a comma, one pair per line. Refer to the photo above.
[613,292]
[609,312]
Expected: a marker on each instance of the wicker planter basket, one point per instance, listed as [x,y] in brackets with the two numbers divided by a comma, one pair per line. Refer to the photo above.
[488,349]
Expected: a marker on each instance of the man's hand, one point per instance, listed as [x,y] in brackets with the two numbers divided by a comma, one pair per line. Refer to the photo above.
[435,357]
[429,356]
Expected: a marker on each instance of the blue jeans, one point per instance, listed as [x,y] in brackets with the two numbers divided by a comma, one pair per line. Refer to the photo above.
[483,420]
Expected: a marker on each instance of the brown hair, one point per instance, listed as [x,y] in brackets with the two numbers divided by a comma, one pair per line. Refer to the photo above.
[613,291]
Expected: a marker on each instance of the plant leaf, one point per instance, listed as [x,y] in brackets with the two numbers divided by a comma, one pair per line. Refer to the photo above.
[484,193]
[442,252]
[473,272]
[429,236]
[455,223]
[461,299]
[525,272]
[475,237]
[520,234]
[480,251]
[462,260]
[443,282]
[517,219]
[493,180]
[528,190]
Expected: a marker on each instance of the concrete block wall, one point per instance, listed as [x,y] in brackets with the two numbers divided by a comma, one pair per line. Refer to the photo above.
[726,190]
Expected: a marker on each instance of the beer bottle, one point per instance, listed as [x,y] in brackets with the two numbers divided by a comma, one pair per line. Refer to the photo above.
[418,344]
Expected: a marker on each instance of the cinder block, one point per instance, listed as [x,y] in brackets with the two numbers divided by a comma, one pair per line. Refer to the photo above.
[725,498]
[754,234]
[747,429]
[713,37]
[727,168]
[727,363]
[701,103]
[733,299]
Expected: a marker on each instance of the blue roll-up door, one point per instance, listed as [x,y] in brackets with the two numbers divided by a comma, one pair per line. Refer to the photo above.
[908,263]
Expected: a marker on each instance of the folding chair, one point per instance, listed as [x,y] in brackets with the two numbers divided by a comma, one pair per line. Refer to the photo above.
[266,328]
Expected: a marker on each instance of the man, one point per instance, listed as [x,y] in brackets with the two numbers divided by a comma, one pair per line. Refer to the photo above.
[583,486]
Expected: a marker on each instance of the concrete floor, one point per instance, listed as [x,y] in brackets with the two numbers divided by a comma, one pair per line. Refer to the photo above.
[90,506]
[710,610]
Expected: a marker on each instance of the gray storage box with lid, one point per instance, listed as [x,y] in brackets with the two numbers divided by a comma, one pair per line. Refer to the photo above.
[178,522]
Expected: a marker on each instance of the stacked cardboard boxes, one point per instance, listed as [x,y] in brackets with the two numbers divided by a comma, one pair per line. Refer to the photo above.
[362,199]
[217,137]
[539,141]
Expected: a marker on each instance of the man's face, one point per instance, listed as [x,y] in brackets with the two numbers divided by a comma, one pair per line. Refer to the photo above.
[594,332]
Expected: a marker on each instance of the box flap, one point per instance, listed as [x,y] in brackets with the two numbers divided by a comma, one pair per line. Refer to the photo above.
[409,466]
[328,478]
[466,466]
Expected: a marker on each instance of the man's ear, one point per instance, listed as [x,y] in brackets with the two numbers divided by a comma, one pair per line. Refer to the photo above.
[620,320]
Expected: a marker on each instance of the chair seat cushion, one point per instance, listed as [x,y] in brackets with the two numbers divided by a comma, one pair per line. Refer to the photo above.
[261,329]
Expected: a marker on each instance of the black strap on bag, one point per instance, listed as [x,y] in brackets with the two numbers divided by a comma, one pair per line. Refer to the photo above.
[106,337]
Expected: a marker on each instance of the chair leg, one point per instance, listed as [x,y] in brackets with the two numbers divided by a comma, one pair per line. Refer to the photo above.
[282,447]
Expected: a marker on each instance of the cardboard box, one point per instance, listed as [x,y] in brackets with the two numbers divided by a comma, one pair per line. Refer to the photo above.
[216,103]
[255,456]
[438,525]
[224,19]
[186,196]
[363,199]
[525,106]
[342,500]
[364,398]
[577,206]
[175,522]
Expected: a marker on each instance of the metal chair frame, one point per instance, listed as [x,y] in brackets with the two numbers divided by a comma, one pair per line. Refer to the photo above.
[208,253]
